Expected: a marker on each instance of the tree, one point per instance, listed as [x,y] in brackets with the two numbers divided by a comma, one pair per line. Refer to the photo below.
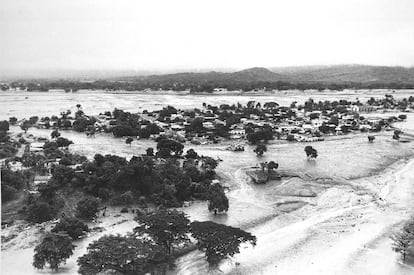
[171,145]
[150,152]
[63,142]
[219,241]
[191,154]
[54,249]
[271,165]
[25,126]
[371,139]
[55,134]
[311,152]
[396,135]
[260,149]
[87,208]
[125,255]
[129,140]
[78,106]
[40,212]
[74,227]
[166,227]
[13,120]
[4,125]
[217,200]
[403,240]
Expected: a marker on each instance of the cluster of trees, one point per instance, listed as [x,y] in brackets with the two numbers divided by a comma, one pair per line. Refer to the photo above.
[8,147]
[151,247]
[56,246]
[112,179]
[12,183]
[127,124]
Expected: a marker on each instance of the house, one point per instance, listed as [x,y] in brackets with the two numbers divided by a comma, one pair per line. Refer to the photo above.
[15,166]
[209,125]
[36,146]
[363,108]
[237,133]
[38,180]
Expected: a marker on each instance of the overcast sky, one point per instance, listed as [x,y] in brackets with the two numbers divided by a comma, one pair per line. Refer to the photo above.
[191,34]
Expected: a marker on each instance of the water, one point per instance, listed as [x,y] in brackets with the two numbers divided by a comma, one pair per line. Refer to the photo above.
[24,104]
[344,230]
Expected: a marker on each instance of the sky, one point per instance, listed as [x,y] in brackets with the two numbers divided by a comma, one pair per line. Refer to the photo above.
[158,35]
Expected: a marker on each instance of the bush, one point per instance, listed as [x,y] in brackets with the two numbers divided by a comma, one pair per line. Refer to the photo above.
[127,197]
[124,210]
[4,125]
[40,212]
[54,249]
[7,193]
[87,208]
[74,227]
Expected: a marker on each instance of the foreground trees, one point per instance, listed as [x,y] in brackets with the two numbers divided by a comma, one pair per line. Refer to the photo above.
[167,228]
[219,241]
[149,248]
[54,249]
[126,255]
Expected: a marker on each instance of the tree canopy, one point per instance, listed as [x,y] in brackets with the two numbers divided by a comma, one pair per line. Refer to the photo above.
[166,227]
[219,241]
[54,250]
[124,254]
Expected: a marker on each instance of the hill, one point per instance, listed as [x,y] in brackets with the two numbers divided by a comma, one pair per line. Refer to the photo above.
[348,73]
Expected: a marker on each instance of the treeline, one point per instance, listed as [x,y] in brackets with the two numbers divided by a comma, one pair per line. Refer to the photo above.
[198,85]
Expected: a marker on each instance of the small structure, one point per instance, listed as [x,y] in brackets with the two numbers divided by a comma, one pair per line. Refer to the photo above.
[36,147]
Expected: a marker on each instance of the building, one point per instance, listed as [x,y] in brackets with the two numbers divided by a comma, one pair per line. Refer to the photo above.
[36,146]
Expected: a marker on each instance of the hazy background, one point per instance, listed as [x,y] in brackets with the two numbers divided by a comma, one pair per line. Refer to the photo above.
[58,35]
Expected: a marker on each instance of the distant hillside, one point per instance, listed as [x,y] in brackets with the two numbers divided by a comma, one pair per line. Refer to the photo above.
[326,74]
[302,78]
[244,76]
[348,73]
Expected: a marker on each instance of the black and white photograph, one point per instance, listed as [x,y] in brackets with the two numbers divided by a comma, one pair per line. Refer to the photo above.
[190,137]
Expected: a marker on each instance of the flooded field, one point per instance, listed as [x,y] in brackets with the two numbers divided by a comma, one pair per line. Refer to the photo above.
[361,192]
[23,104]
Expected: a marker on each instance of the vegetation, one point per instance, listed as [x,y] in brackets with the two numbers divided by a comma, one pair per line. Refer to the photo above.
[167,228]
[403,240]
[311,152]
[217,201]
[41,211]
[11,183]
[87,208]
[149,248]
[74,227]
[126,255]
[219,241]
[260,149]
[54,250]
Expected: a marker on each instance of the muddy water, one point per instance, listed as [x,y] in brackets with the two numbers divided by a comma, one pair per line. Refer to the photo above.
[364,192]
[25,104]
